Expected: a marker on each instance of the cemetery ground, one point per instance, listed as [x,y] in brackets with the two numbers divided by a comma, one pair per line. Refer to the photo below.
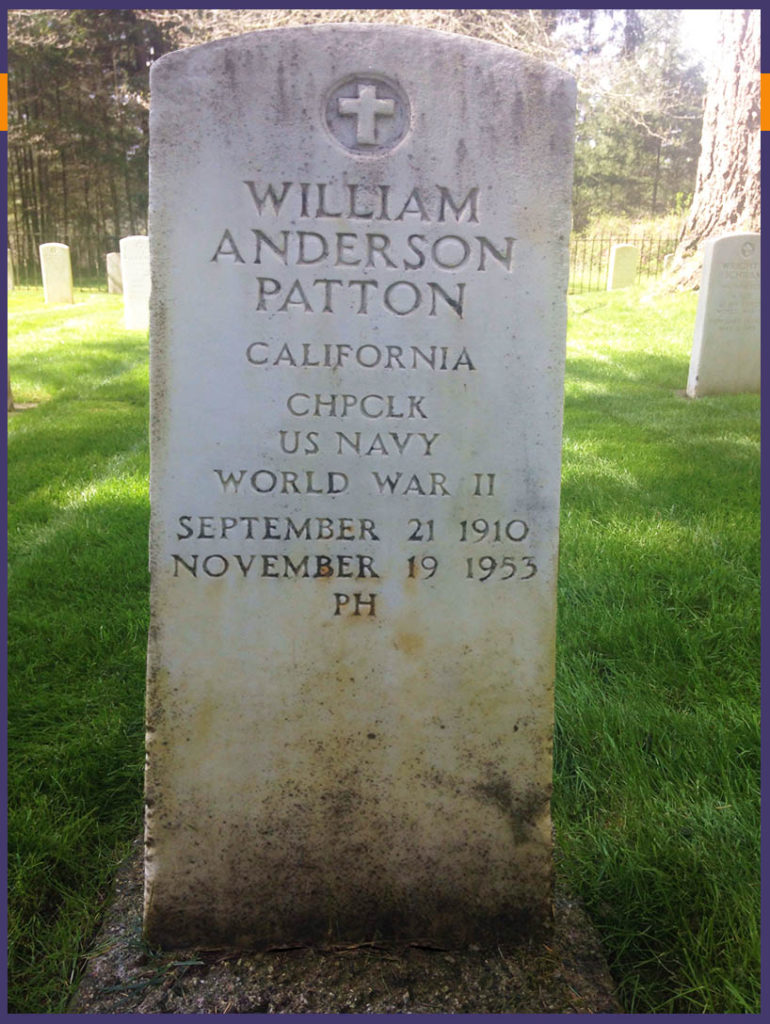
[656,788]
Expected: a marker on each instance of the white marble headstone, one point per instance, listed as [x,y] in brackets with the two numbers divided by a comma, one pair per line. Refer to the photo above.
[360,257]
[726,345]
[57,273]
[114,275]
[624,261]
[135,277]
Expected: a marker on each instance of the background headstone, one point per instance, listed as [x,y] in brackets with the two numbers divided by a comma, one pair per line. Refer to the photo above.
[357,352]
[727,340]
[114,275]
[135,277]
[57,273]
[624,261]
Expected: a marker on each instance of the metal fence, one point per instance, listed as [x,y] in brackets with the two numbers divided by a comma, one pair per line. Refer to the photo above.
[589,259]
[28,275]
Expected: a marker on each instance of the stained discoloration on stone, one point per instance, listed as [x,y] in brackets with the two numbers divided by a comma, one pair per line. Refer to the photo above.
[357,358]
[566,974]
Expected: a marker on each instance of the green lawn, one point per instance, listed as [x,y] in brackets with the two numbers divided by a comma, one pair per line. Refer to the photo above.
[657,736]
[78,583]
[657,744]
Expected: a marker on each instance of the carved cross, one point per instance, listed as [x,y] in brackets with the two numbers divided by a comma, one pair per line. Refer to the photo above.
[367,108]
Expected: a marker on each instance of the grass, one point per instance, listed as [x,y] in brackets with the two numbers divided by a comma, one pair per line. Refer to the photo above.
[657,734]
[78,515]
[657,746]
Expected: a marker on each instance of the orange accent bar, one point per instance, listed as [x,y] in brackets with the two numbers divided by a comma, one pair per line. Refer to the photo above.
[764,100]
[4,102]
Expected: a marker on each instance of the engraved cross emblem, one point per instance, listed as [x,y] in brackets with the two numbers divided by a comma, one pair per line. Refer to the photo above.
[367,108]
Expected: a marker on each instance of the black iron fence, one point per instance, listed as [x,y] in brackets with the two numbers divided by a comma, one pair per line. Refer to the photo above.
[92,277]
[589,259]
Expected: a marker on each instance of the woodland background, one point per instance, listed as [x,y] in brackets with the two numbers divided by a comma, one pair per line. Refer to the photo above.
[79,103]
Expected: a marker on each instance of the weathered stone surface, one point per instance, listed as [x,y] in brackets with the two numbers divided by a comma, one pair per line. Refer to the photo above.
[624,261]
[135,278]
[726,345]
[360,244]
[114,274]
[57,273]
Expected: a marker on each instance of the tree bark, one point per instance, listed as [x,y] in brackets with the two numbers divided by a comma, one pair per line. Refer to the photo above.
[727,188]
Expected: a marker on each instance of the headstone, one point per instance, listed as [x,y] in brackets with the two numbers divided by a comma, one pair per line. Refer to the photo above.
[726,346]
[357,350]
[114,275]
[10,272]
[135,278]
[667,259]
[624,260]
[57,273]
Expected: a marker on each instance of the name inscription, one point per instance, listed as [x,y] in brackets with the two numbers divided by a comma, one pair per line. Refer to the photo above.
[401,254]
[282,243]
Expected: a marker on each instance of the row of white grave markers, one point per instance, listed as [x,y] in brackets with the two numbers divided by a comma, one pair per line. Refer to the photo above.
[128,272]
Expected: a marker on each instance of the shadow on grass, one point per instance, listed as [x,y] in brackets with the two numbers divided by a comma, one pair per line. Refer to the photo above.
[78,620]
[67,446]
[76,372]
[646,371]
[666,474]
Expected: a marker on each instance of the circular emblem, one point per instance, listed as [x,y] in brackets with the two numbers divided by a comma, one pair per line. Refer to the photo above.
[747,249]
[367,114]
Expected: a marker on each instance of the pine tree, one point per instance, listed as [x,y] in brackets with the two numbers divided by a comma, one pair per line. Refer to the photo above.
[727,192]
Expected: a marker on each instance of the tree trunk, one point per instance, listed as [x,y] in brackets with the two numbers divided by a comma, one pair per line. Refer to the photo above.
[63,170]
[727,188]
[656,179]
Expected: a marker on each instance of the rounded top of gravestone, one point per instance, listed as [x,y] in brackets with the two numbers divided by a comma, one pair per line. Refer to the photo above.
[736,245]
[749,238]
[368,89]
[339,30]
